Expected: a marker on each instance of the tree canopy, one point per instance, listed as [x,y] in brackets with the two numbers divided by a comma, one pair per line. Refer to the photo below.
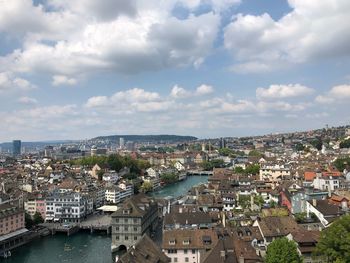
[209,165]
[169,178]
[342,163]
[114,162]
[345,144]
[282,250]
[334,244]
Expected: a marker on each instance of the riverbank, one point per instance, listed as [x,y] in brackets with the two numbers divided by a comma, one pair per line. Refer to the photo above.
[84,247]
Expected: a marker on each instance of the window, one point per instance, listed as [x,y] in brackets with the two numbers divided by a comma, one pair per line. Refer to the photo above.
[135,229]
[116,237]
[125,220]
[126,228]
[186,259]
[193,251]
[175,259]
[135,237]
[126,238]
[185,251]
[117,228]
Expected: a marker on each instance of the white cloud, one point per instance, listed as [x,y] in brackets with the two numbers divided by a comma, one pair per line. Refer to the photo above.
[313,30]
[135,95]
[178,92]
[283,91]
[27,100]
[341,91]
[103,10]
[204,90]
[324,99]
[251,67]
[58,80]
[97,101]
[9,82]
[338,93]
[74,38]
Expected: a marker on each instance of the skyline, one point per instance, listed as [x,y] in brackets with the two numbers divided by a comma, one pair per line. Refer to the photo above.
[210,68]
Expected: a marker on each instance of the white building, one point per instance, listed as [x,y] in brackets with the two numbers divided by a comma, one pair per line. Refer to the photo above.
[112,194]
[326,183]
[152,172]
[117,194]
[273,173]
[111,177]
[68,207]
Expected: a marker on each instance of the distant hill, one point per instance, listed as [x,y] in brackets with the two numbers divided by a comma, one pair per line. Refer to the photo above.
[148,138]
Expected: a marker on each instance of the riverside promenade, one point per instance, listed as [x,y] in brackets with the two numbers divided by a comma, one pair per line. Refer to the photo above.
[92,223]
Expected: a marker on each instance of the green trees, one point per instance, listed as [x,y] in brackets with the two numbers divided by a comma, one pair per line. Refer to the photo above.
[317,143]
[169,178]
[244,201]
[30,222]
[255,153]
[250,169]
[299,147]
[209,165]
[37,219]
[345,144]
[334,244]
[146,187]
[115,162]
[282,250]
[342,163]
[239,170]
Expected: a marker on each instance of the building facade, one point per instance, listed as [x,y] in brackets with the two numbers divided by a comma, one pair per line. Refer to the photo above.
[137,216]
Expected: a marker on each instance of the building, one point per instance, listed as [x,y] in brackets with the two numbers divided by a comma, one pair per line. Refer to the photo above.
[187,220]
[144,251]
[273,227]
[325,211]
[11,218]
[136,216]
[34,205]
[12,227]
[68,207]
[274,173]
[16,147]
[222,143]
[185,245]
[130,146]
[121,143]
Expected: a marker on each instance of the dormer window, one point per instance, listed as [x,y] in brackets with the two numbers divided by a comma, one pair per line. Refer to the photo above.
[126,211]
[206,240]
[186,241]
[172,241]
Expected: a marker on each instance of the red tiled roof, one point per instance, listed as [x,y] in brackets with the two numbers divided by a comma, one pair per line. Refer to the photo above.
[309,176]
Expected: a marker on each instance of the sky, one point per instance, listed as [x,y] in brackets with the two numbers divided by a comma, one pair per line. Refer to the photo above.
[207,68]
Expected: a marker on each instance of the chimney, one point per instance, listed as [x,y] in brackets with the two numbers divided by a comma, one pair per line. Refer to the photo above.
[344,205]
[180,210]
[223,219]
[251,202]
[222,254]
[314,202]
[329,191]
[241,259]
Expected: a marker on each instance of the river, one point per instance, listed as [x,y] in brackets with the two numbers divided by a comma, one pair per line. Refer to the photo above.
[83,247]
[180,188]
